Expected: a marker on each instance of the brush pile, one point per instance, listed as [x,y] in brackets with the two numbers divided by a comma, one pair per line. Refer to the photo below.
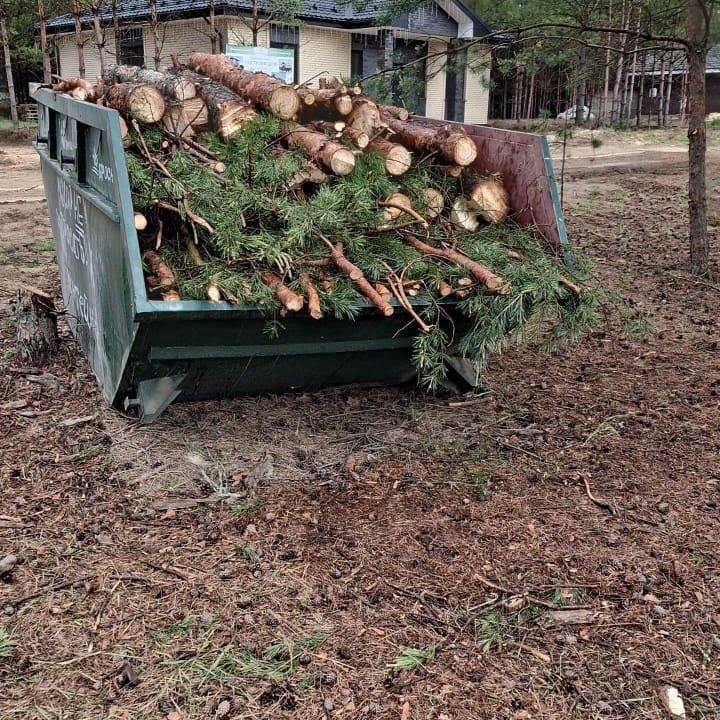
[320,201]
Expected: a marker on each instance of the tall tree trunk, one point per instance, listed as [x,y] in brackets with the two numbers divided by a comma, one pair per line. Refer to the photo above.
[47,71]
[79,38]
[531,97]
[683,96]
[8,71]
[255,22]
[668,91]
[99,37]
[641,93]
[582,91]
[155,33]
[661,93]
[213,29]
[628,108]
[117,38]
[620,69]
[696,33]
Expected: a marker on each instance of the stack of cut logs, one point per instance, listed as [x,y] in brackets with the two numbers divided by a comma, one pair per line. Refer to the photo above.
[331,124]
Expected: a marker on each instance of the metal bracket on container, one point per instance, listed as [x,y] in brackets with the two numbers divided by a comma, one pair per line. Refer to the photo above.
[462,375]
[154,395]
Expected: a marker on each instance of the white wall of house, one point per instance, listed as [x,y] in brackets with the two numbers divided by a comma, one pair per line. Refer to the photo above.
[324,51]
[238,33]
[179,37]
[436,76]
[477,85]
[321,51]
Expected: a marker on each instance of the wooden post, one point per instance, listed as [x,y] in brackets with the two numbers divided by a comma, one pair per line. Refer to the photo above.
[36,338]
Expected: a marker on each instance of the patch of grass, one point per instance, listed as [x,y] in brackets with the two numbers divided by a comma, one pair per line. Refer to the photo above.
[411,658]
[479,480]
[619,195]
[245,505]
[41,245]
[9,353]
[492,631]
[5,644]
[714,123]
[6,123]
[248,553]
[276,662]
[637,326]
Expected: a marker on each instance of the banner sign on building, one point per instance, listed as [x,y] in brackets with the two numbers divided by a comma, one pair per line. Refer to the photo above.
[279,62]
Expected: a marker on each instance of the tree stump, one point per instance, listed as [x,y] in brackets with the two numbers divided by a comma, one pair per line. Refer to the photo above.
[36,338]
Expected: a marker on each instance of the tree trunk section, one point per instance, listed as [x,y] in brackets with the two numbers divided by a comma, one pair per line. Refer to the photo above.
[99,40]
[142,102]
[78,38]
[172,85]
[323,150]
[155,33]
[36,338]
[397,157]
[227,111]
[47,68]
[696,34]
[449,142]
[8,72]
[264,90]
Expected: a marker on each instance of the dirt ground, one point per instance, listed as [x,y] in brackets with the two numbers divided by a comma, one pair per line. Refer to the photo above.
[402,556]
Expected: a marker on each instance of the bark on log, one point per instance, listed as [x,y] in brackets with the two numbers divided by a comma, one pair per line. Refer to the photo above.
[492,282]
[124,132]
[326,152]
[453,144]
[263,90]
[356,275]
[171,85]
[313,298]
[36,338]
[356,136]
[332,99]
[397,157]
[227,111]
[397,112]
[163,278]
[288,299]
[365,116]
[144,102]
[76,87]
[197,113]
[487,196]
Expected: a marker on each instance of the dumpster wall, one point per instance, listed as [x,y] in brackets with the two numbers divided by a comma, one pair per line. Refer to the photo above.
[148,352]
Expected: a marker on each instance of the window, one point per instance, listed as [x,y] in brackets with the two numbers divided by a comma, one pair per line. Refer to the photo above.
[356,64]
[131,50]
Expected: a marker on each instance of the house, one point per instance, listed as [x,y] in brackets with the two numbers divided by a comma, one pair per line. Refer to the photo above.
[332,36]
[661,73]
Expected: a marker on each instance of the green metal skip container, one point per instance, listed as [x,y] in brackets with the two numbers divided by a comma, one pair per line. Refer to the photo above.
[146,353]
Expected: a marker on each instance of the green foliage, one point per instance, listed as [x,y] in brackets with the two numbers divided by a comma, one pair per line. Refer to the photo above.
[5,644]
[411,658]
[260,226]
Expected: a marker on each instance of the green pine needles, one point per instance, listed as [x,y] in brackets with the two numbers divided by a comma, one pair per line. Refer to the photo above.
[262,223]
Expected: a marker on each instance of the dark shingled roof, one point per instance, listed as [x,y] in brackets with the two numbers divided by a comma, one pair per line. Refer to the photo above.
[653,64]
[335,13]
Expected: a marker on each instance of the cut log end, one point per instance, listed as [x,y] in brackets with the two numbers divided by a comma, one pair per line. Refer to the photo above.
[489,199]
[434,202]
[343,104]
[183,89]
[285,102]
[140,221]
[342,161]
[464,151]
[398,161]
